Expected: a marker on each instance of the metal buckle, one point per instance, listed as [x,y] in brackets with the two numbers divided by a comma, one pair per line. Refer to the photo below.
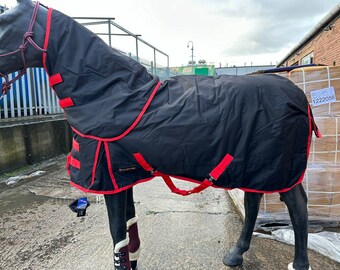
[211,179]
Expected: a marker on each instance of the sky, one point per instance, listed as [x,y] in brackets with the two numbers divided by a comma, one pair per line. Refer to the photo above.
[222,32]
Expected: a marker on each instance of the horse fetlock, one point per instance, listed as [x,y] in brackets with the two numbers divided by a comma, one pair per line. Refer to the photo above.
[133,265]
[242,246]
[233,257]
[121,255]
[299,267]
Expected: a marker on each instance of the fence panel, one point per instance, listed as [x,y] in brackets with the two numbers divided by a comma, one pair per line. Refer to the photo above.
[30,95]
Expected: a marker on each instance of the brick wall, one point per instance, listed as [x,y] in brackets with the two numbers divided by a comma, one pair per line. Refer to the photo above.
[325,46]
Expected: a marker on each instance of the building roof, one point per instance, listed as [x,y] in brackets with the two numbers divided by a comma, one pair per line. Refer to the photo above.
[321,26]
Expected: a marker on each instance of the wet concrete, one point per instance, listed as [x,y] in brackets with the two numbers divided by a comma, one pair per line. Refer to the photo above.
[39,231]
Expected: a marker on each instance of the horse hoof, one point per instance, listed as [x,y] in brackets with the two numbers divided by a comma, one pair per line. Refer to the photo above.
[134,265]
[290,267]
[232,260]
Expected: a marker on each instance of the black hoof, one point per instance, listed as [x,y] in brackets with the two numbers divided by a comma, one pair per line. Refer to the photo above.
[232,259]
[133,265]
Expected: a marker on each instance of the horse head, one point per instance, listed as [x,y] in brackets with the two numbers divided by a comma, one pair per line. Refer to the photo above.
[16,50]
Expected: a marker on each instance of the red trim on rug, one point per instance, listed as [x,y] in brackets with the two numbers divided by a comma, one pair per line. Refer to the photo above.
[96,157]
[74,162]
[75,145]
[55,79]
[47,37]
[133,125]
[108,158]
[66,102]
[110,191]
[311,128]
[68,164]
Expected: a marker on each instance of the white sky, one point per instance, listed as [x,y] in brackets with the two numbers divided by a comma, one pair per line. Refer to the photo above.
[232,32]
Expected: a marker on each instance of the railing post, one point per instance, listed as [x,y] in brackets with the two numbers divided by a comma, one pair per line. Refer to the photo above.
[137,48]
[109,25]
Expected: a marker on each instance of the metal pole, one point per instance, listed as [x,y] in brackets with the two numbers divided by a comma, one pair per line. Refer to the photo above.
[109,24]
[137,49]
[168,66]
[154,60]
[192,51]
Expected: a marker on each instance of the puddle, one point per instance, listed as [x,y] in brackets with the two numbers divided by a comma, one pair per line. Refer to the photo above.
[20,202]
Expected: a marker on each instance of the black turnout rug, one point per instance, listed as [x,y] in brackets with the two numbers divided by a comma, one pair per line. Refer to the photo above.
[251,132]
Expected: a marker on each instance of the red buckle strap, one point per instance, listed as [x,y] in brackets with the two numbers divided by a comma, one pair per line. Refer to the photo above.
[214,175]
[74,162]
[75,145]
[66,102]
[221,167]
[140,159]
[55,79]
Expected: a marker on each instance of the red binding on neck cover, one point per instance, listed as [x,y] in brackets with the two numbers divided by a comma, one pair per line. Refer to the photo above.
[27,39]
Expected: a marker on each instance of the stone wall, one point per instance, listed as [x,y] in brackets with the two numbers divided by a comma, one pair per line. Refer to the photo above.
[28,143]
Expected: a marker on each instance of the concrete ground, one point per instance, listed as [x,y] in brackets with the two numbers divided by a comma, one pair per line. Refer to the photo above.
[39,231]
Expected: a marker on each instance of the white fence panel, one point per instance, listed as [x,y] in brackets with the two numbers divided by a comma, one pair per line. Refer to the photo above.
[30,95]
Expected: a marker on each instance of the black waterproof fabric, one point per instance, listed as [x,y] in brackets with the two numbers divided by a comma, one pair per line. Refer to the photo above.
[262,121]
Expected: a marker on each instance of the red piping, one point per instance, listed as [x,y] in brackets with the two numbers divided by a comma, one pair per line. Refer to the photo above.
[133,125]
[110,191]
[109,165]
[94,169]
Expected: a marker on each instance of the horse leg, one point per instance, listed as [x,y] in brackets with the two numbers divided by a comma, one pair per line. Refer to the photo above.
[132,228]
[296,201]
[116,208]
[251,204]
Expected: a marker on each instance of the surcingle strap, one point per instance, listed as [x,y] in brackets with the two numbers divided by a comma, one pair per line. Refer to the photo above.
[213,176]
[205,184]
[221,167]
[141,160]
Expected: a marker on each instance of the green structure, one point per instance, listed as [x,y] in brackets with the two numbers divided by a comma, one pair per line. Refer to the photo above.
[206,70]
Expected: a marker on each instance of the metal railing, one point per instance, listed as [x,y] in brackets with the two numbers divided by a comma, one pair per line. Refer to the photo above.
[31,95]
[153,66]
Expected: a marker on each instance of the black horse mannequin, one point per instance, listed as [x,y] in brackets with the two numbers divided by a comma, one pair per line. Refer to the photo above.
[121,211]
